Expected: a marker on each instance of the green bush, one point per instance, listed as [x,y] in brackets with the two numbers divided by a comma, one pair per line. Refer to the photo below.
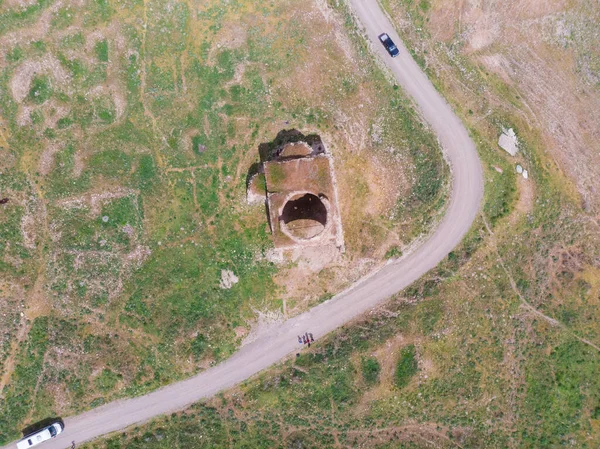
[393,253]
[370,370]
[199,345]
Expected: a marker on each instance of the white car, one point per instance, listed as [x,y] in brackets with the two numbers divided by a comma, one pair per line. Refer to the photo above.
[40,436]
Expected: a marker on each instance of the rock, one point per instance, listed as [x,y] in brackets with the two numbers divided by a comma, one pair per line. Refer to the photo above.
[519,169]
[525,174]
[105,219]
[498,169]
[275,256]
[228,279]
[508,141]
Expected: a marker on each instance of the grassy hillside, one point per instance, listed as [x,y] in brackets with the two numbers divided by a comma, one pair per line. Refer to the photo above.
[498,347]
[127,130]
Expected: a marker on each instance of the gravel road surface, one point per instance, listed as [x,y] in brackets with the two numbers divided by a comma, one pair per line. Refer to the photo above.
[464,203]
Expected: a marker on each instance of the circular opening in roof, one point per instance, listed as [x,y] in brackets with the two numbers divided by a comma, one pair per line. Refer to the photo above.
[304,216]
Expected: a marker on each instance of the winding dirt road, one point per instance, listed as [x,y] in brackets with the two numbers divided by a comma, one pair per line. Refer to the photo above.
[464,203]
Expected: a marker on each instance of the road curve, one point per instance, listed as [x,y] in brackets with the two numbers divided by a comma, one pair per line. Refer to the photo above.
[464,203]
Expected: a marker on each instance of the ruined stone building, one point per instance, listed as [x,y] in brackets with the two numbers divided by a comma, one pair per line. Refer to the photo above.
[297,181]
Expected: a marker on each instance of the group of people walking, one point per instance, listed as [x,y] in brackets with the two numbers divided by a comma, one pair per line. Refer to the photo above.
[306,339]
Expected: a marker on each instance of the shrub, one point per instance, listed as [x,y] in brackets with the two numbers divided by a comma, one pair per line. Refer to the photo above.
[393,253]
[370,370]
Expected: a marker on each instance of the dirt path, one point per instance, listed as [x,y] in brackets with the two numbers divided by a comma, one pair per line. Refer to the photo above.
[281,341]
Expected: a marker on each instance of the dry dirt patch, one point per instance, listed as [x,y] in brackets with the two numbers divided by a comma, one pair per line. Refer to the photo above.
[24,74]
[540,48]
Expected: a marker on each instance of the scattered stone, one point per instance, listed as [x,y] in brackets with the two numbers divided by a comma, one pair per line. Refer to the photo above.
[128,229]
[275,256]
[228,279]
[519,169]
[508,141]
[525,174]
[102,242]
[105,219]
[498,169]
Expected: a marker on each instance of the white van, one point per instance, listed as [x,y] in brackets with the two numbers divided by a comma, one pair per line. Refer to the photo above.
[40,436]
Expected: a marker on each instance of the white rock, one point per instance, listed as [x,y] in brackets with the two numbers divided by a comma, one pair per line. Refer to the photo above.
[508,141]
[228,279]
[525,174]
[105,218]
[519,169]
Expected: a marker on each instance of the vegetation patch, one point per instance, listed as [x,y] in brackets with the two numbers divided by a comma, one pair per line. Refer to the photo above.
[370,370]
[406,367]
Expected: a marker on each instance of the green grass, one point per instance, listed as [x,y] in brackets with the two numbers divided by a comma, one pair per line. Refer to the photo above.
[110,163]
[107,381]
[63,18]
[129,306]
[490,373]
[370,370]
[18,397]
[463,332]
[11,19]
[406,367]
[41,89]
[101,49]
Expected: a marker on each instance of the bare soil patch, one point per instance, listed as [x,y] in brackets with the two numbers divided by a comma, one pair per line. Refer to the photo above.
[47,64]
[544,49]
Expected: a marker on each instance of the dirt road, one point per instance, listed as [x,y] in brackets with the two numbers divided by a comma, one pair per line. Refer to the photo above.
[465,199]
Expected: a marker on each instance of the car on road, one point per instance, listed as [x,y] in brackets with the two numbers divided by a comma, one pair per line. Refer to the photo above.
[40,436]
[389,45]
